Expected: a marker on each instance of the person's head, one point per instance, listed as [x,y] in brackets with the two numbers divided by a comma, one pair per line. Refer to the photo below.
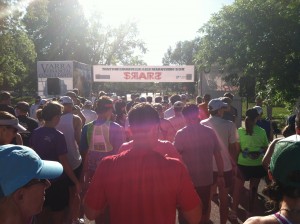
[144,120]
[178,106]
[22,108]
[73,96]
[226,100]
[149,99]
[133,96]
[284,171]
[76,91]
[104,107]
[206,98]
[88,105]
[259,111]
[288,131]
[52,112]
[37,100]
[174,98]
[5,97]
[23,180]
[259,101]
[9,126]
[158,99]
[120,107]
[67,102]
[228,94]
[190,113]
[39,116]
[250,120]
[102,93]
[159,108]
[198,99]
[184,98]
[216,107]
[142,99]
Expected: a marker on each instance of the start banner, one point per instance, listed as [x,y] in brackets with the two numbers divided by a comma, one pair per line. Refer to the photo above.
[105,73]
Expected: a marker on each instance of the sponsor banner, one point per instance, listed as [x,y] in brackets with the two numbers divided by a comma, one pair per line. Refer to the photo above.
[55,69]
[143,73]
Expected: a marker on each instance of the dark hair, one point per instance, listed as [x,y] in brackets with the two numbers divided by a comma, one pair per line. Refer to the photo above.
[120,107]
[190,111]
[149,99]
[229,95]
[288,131]
[175,98]
[103,105]
[251,115]
[198,99]
[143,114]
[51,109]
[276,191]
[158,99]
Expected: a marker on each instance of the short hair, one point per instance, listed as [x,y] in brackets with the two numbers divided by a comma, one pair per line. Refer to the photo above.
[143,114]
[4,95]
[228,94]
[149,99]
[198,99]
[206,97]
[71,94]
[158,99]
[6,116]
[103,105]
[190,111]
[174,98]
[52,109]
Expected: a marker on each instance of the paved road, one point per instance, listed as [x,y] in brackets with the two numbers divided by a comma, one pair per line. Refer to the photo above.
[259,210]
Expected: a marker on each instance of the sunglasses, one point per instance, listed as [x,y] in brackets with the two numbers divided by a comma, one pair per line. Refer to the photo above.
[37,181]
[10,127]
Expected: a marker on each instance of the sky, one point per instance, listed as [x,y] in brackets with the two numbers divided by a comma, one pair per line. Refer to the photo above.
[161,23]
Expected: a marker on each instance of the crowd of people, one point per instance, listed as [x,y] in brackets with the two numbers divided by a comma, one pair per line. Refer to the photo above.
[146,160]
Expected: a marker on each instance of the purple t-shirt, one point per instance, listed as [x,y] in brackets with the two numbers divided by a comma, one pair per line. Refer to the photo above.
[48,143]
[196,144]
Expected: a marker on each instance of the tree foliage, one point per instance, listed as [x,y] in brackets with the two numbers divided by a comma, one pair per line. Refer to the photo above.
[258,38]
[17,51]
[183,54]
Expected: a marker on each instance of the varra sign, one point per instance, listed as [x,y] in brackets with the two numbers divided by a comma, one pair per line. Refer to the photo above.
[55,70]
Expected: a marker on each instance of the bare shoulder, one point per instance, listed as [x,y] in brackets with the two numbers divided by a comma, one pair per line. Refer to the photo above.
[261,220]
[77,120]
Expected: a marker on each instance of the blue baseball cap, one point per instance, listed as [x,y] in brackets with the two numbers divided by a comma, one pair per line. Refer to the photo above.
[20,164]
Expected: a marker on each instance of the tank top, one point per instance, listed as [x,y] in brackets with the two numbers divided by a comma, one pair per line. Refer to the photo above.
[66,126]
[281,218]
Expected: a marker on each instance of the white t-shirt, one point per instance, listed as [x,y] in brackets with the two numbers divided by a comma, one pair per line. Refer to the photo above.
[227,134]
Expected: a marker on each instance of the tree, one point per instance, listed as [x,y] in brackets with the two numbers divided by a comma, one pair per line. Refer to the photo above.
[182,54]
[119,45]
[260,39]
[17,51]
[59,30]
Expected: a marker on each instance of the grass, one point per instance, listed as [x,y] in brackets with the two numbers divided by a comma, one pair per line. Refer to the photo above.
[279,114]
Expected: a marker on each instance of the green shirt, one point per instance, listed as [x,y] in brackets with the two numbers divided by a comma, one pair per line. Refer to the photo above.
[253,143]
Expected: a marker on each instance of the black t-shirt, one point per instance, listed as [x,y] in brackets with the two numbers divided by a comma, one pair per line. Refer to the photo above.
[30,124]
